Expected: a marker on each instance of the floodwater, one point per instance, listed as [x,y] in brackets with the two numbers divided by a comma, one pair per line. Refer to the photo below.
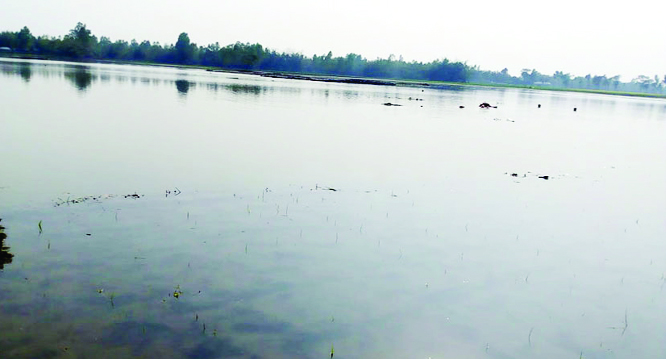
[161,212]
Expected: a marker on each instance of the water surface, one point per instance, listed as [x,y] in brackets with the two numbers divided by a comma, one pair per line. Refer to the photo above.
[291,216]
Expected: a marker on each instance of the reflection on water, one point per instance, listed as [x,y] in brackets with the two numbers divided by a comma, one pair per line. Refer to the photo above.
[25,71]
[182,86]
[5,256]
[80,76]
[243,89]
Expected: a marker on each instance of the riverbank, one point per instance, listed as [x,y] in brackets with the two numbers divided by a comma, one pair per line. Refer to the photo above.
[338,78]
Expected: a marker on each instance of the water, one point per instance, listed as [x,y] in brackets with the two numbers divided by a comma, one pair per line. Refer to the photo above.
[292,216]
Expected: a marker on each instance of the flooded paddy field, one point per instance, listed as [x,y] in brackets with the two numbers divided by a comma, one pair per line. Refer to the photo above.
[158,212]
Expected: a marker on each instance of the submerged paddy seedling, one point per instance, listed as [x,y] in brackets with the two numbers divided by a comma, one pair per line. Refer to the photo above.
[177,292]
[332,351]
[39,225]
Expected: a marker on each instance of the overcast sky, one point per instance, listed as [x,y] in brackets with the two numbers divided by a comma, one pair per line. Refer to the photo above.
[575,36]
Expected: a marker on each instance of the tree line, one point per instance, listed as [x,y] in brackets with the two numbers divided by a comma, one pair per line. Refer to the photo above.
[81,45]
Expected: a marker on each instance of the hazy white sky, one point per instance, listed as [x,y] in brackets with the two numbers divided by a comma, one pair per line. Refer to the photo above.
[575,36]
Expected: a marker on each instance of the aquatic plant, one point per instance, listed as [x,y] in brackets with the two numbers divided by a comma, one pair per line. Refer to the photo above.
[177,292]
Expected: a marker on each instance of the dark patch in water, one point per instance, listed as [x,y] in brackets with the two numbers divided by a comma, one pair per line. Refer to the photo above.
[77,200]
[131,333]
[215,348]
[81,77]
[182,86]
[5,256]
[143,338]
[24,309]
[261,328]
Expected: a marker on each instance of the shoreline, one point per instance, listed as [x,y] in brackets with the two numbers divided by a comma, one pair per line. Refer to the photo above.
[340,78]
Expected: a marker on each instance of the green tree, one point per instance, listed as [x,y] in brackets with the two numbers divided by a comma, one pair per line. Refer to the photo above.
[614,81]
[184,49]
[80,42]
[643,81]
[561,78]
[24,39]
[7,39]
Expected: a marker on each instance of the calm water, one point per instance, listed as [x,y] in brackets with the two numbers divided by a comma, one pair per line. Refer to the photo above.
[238,248]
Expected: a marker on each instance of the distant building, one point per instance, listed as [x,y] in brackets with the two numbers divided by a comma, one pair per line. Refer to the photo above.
[539,83]
[5,49]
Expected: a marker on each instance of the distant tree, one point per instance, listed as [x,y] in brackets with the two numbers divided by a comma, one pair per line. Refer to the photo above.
[643,82]
[600,82]
[184,50]
[562,79]
[614,81]
[46,45]
[7,39]
[657,83]
[447,71]
[104,47]
[80,42]
[24,39]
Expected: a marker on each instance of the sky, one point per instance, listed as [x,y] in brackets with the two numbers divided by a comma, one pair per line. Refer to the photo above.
[574,36]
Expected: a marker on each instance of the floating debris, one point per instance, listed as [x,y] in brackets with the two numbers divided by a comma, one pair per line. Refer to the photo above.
[317,187]
[177,293]
[84,199]
[486,105]
[390,104]
[5,256]
[514,174]
[175,192]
